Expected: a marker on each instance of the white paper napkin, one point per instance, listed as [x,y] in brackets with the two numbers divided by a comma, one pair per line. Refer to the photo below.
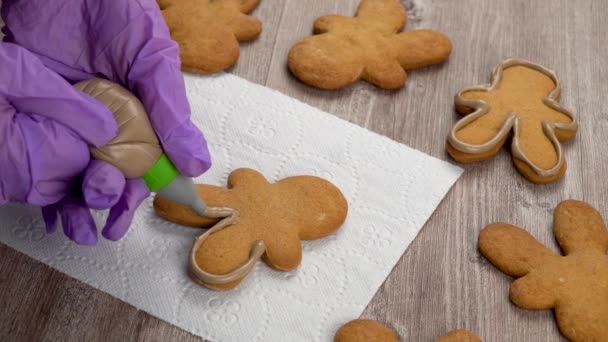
[391,190]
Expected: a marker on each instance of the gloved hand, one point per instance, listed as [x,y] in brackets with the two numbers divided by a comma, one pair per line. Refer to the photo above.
[46,127]
[103,187]
[127,42]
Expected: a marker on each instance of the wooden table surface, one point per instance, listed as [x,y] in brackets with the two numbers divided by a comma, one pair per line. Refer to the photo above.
[441,283]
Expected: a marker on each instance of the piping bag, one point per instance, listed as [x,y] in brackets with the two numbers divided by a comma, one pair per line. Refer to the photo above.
[136,150]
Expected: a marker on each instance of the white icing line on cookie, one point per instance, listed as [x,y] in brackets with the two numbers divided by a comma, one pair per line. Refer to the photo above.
[512,121]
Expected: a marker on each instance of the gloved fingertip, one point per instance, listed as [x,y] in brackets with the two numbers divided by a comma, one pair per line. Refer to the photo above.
[86,240]
[82,232]
[102,186]
[49,216]
[192,165]
[187,148]
[118,223]
[113,232]
[78,224]
[121,215]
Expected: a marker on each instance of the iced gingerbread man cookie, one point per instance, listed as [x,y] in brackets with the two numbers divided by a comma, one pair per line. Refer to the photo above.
[261,220]
[522,103]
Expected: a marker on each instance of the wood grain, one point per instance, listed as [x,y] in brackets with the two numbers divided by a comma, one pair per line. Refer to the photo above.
[441,283]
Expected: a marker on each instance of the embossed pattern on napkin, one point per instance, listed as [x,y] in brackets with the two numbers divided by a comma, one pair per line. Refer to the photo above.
[391,189]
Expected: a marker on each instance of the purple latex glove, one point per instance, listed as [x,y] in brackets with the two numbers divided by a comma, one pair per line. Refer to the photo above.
[46,127]
[103,187]
[127,42]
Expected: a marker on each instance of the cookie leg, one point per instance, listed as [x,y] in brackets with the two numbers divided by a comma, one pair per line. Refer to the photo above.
[283,254]
[385,75]
[533,176]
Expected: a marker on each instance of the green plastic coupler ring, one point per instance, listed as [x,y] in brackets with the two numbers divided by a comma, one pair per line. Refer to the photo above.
[161,174]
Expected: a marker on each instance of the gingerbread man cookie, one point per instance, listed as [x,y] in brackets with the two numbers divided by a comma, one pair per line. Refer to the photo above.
[575,285]
[262,220]
[209,31]
[369,46]
[522,101]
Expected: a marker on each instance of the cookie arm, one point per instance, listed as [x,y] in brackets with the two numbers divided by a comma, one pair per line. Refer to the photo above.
[511,249]
[386,75]
[245,176]
[578,226]
[419,48]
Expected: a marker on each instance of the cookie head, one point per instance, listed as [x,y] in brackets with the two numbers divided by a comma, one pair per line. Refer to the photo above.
[318,203]
[522,103]
[368,46]
[575,285]
[209,31]
[272,218]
